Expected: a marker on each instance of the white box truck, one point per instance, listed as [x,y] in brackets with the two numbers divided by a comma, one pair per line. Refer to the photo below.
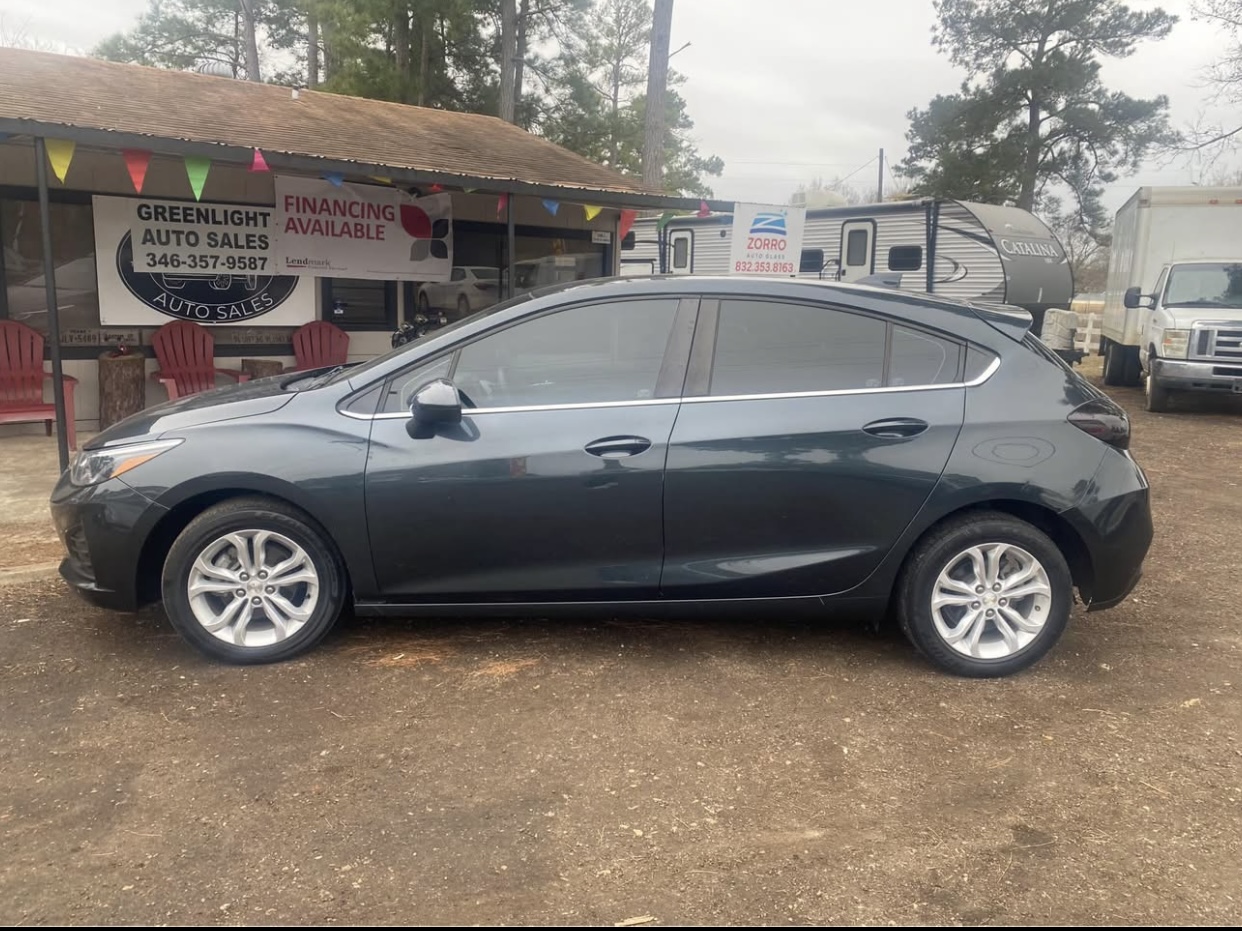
[1173,308]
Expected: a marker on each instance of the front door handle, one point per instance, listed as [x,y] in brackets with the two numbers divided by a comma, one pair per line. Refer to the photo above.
[898,428]
[618,447]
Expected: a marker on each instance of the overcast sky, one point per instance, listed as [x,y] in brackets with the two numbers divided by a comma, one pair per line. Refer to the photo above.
[785,90]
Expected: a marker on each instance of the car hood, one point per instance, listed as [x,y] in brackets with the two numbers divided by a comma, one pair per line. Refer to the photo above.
[1183,317]
[228,403]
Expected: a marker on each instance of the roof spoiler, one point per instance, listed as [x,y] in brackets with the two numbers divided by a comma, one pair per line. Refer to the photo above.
[1014,322]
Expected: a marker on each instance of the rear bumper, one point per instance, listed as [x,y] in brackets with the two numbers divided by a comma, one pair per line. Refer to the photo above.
[1197,376]
[1116,528]
[103,528]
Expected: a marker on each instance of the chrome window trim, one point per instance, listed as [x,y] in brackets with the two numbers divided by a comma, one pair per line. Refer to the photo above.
[591,405]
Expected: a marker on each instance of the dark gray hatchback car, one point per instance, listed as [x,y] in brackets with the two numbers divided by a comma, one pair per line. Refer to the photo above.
[660,446]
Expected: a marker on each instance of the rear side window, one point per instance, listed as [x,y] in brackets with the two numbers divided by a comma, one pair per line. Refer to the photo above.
[919,358]
[905,258]
[767,347]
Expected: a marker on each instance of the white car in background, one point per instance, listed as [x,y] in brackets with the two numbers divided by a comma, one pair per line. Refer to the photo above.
[469,288]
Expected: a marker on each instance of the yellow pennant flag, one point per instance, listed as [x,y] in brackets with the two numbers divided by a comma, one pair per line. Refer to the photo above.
[591,212]
[380,178]
[60,154]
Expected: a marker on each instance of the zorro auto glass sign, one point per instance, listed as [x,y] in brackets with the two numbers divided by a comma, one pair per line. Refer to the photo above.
[206,263]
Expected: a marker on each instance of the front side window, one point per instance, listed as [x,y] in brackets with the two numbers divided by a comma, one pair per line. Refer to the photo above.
[767,347]
[585,355]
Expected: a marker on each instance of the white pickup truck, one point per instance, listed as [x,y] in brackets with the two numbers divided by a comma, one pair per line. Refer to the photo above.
[1173,309]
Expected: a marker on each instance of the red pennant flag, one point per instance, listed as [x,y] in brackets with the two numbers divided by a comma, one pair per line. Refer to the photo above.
[501,203]
[435,189]
[627,220]
[704,210]
[259,163]
[137,160]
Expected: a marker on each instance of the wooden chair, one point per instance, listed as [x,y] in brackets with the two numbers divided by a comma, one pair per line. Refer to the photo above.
[21,381]
[186,354]
[318,344]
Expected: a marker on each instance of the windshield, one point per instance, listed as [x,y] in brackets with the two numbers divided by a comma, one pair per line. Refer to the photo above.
[1205,284]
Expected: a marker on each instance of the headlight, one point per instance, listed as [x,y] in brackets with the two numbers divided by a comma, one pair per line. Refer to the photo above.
[93,466]
[1176,344]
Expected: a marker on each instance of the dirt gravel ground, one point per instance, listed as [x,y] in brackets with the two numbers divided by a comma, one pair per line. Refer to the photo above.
[571,772]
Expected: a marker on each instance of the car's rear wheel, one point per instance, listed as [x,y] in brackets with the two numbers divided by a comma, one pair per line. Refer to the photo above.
[1114,363]
[463,307]
[253,581]
[985,595]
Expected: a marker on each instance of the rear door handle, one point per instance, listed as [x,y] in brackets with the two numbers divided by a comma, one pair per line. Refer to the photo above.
[618,447]
[897,428]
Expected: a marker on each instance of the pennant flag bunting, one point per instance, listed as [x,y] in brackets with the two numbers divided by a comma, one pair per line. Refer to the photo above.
[551,206]
[259,163]
[704,210]
[196,168]
[137,160]
[60,154]
[501,203]
[470,190]
[664,218]
[591,212]
[334,178]
[382,179]
[627,220]
[435,189]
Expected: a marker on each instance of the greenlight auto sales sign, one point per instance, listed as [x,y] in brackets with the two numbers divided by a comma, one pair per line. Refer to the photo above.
[767,240]
[212,264]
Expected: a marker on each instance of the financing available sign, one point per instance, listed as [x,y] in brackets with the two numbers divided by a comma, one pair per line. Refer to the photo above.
[767,240]
[361,231]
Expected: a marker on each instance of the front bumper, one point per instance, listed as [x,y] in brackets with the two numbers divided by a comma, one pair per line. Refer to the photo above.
[103,528]
[1197,376]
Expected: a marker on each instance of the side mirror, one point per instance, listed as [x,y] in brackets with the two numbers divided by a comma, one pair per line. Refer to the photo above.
[1134,297]
[435,404]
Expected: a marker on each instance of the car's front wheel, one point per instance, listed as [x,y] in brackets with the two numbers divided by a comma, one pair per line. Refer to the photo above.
[985,595]
[252,580]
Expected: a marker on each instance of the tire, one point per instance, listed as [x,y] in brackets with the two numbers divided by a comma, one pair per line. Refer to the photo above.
[463,307]
[1156,398]
[1045,612]
[1113,363]
[1131,367]
[316,585]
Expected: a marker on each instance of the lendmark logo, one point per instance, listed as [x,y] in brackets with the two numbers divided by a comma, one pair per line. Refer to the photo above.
[430,234]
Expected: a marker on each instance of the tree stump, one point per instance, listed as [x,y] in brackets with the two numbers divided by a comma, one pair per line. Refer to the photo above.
[122,386]
[262,368]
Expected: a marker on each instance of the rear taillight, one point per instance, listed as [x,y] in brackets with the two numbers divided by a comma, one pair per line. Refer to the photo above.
[1104,420]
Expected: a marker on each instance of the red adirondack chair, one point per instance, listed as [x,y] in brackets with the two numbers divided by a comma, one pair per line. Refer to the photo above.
[186,353]
[21,381]
[318,344]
